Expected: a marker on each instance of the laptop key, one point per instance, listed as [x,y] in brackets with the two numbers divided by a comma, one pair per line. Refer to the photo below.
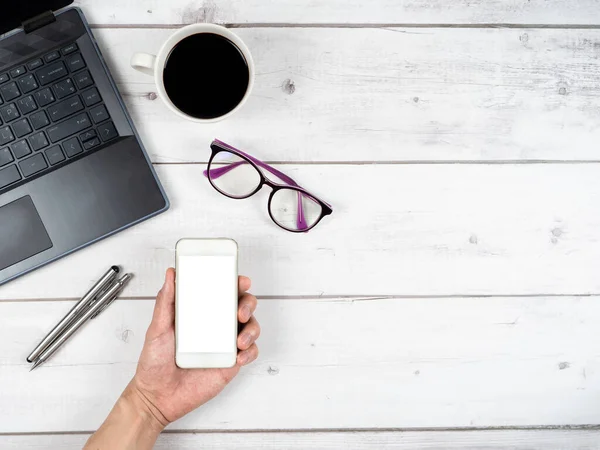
[20,149]
[69,48]
[83,79]
[44,97]
[9,175]
[26,104]
[9,112]
[21,128]
[18,71]
[88,135]
[52,56]
[75,62]
[64,88]
[91,96]
[27,83]
[6,135]
[91,143]
[54,155]
[4,78]
[69,127]
[5,156]
[51,72]
[72,147]
[38,141]
[33,165]
[36,63]
[39,120]
[107,131]
[99,114]
[9,91]
[65,108]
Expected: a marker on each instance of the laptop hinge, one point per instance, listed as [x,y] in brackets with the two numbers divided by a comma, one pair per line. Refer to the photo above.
[38,21]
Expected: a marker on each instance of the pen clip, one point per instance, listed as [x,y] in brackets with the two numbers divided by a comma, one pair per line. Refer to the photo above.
[121,283]
[108,303]
[99,295]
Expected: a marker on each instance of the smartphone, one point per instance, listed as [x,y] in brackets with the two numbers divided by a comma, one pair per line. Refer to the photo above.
[206,302]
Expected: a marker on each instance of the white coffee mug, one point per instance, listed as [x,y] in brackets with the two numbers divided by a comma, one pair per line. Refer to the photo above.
[154,65]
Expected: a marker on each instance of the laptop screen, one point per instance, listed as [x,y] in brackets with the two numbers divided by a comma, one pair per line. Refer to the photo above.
[14,12]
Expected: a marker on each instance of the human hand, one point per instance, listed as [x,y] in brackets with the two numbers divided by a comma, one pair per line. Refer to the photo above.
[170,392]
[160,392]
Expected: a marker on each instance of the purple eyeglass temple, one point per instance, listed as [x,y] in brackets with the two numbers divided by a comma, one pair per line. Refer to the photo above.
[218,172]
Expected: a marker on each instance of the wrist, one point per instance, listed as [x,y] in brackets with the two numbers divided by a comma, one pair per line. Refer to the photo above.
[132,424]
[138,404]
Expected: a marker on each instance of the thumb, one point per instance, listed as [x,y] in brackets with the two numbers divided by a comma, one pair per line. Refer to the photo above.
[163,318]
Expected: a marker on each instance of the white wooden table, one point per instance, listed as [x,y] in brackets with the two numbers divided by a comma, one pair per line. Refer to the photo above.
[451,301]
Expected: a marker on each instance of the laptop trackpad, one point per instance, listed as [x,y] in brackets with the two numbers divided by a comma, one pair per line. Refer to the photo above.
[24,234]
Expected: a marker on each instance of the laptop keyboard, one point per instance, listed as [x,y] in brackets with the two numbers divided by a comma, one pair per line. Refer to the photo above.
[50,113]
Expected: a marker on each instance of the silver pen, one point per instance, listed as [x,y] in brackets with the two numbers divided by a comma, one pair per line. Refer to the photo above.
[99,305]
[101,285]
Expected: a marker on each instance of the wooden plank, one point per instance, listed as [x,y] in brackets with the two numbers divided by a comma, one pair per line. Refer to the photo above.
[396,230]
[336,363]
[423,440]
[340,11]
[389,95]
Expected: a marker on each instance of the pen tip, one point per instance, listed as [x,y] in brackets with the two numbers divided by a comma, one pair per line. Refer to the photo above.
[35,364]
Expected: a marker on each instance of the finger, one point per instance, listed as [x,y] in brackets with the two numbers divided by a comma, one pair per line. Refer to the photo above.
[244,284]
[246,307]
[249,334]
[247,356]
[164,308]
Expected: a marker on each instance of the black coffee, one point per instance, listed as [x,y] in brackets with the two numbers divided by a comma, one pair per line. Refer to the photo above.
[206,75]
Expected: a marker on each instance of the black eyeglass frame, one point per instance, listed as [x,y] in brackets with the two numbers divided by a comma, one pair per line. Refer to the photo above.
[218,147]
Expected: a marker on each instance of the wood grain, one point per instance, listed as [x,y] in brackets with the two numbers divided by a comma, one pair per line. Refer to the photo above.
[389,95]
[396,230]
[350,339]
[336,363]
[427,440]
[340,11]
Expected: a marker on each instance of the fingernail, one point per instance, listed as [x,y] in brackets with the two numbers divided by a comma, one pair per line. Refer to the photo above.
[243,358]
[246,313]
[245,339]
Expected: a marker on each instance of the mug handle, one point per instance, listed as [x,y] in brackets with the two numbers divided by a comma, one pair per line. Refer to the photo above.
[143,62]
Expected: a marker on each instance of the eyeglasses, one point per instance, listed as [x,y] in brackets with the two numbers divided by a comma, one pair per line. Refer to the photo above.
[237,175]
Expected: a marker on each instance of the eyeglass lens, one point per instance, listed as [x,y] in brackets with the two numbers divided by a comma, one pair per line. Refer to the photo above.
[232,175]
[293,210]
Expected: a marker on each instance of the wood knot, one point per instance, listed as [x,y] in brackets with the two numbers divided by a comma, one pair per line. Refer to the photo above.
[125,335]
[563,365]
[556,234]
[204,14]
[288,87]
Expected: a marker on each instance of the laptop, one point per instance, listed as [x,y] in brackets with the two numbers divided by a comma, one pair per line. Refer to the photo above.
[72,167]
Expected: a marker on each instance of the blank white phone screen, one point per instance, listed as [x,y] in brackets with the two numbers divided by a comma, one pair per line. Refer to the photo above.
[206,299]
